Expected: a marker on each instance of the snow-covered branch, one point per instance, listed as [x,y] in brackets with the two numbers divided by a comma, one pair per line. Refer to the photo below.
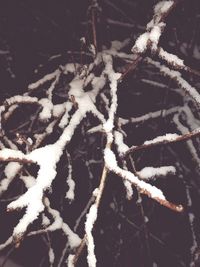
[74,128]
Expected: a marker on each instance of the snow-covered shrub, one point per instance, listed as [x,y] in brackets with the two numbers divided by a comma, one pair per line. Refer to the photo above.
[75,113]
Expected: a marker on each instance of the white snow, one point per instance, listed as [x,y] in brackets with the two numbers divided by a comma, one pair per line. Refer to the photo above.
[21,99]
[65,118]
[51,256]
[28,180]
[162,7]
[155,34]
[43,80]
[50,90]
[184,130]
[175,75]
[122,147]
[11,170]
[7,153]
[153,29]
[91,218]
[171,58]
[150,116]
[140,45]
[73,239]
[95,129]
[47,110]
[163,138]
[45,221]
[111,164]
[70,260]
[70,68]
[152,172]
[113,78]
[92,49]
[46,157]
[58,110]
[70,193]
[129,189]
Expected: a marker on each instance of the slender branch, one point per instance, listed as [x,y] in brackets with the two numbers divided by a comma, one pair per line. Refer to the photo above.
[79,250]
[145,227]
[166,14]
[93,11]
[166,203]
[184,137]
[13,159]
[131,67]
[97,202]
[140,56]
[163,202]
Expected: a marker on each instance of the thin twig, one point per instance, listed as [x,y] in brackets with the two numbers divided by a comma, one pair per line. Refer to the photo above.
[93,14]
[184,137]
[97,202]
[131,67]
[140,56]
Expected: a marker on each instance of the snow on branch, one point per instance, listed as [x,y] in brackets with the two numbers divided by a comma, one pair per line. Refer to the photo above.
[91,218]
[122,147]
[45,103]
[113,78]
[47,156]
[65,118]
[161,140]
[7,154]
[171,59]
[145,188]
[154,28]
[91,92]
[176,76]
[150,173]
[150,40]
[18,99]
[149,116]
[108,128]
[70,182]
[10,171]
